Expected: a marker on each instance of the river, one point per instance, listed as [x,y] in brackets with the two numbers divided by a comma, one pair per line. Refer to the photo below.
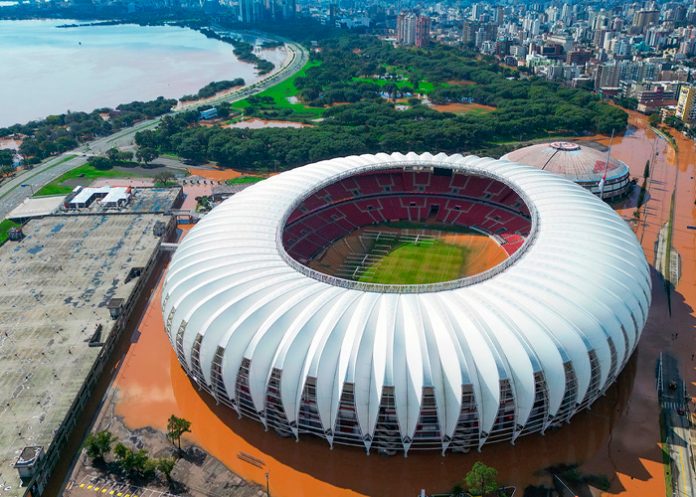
[48,70]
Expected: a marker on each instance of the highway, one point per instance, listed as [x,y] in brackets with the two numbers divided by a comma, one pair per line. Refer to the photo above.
[26,183]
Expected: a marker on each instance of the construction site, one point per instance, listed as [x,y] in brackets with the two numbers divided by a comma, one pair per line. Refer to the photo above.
[69,284]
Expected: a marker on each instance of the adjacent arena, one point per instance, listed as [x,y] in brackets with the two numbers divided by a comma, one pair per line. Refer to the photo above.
[579,163]
[277,305]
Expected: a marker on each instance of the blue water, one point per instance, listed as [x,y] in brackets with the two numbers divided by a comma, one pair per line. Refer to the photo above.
[46,70]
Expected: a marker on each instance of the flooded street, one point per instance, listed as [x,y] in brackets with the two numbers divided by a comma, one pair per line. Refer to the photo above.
[619,437]
[633,451]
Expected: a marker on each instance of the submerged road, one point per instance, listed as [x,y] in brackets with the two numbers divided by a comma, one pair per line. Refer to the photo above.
[26,183]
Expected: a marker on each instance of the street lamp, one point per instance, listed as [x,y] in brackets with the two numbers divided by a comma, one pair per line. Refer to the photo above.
[268,489]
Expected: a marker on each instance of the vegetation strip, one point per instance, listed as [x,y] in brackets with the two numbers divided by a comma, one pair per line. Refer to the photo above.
[355,118]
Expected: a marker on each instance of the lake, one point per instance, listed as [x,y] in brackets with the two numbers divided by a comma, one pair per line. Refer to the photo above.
[48,70]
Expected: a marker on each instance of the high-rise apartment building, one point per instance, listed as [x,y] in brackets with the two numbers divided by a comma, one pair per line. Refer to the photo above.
[686,110]
[253,11]
[644,18]
[412,29]
[422,31]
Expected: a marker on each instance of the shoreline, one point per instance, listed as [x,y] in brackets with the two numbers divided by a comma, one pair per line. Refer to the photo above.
[173,23]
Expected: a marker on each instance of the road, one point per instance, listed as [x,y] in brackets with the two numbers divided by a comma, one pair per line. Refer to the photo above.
[26,183]
[675,410]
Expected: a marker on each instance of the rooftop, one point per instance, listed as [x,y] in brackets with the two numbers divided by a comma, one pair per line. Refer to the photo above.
[576,162]
[36,207]
[55,286]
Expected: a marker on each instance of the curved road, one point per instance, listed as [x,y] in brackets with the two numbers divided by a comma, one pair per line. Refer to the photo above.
[22,186]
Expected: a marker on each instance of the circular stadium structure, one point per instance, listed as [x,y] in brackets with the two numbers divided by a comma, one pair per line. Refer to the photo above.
[584,165]
[278,305]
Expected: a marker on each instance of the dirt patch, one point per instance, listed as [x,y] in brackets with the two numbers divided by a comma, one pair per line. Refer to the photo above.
[461,82]
[256,123]
[463,108]
[483,252]
[215,174]
[195,472]
[11,143]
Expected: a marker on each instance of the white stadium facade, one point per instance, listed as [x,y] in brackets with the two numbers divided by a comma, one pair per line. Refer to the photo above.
[447,366]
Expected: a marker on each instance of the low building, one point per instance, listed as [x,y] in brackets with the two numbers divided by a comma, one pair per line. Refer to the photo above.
[56,341]
[211,113]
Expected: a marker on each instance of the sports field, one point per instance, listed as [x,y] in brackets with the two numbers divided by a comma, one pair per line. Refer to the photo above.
[419,262]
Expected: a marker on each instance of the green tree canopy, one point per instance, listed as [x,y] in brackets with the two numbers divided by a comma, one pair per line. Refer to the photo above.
[98,445]
[146,154]
[6,157]
[176,427]
[481,479]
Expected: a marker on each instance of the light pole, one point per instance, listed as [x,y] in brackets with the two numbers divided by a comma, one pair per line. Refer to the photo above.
[268,488]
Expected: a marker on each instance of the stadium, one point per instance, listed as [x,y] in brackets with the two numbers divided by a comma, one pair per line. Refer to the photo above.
[579,163]
[408,302]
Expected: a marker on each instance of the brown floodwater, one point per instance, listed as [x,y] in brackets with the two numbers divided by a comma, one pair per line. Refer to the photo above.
[619,437]
[151,386]
[671,171]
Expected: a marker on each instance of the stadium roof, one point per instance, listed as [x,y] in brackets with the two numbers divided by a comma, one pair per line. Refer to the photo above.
[580,287]
[576,162]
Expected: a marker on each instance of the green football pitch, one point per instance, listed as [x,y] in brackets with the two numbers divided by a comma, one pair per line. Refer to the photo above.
[415,263]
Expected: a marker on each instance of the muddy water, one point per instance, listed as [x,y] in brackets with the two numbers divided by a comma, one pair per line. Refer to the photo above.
[619,437]
[633,451]
[151,386]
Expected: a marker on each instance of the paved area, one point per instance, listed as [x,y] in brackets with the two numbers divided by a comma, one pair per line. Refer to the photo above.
[92,486]
[55,285]
[675,411]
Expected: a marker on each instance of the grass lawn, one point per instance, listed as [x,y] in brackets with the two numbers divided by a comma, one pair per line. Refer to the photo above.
[88,171]
[280,93]
[414,263]
[423,86]
[5,226]
[243,180]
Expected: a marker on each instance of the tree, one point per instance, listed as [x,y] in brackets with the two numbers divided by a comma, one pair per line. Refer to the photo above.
[134,463]
[112,154]
[481,479]
[101,163]
[164,178]
[146,155]
[223,111]
[191,149]
[6,169]
[6,157]
[176,427]
[98,445]
[166,465]
[654,119]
